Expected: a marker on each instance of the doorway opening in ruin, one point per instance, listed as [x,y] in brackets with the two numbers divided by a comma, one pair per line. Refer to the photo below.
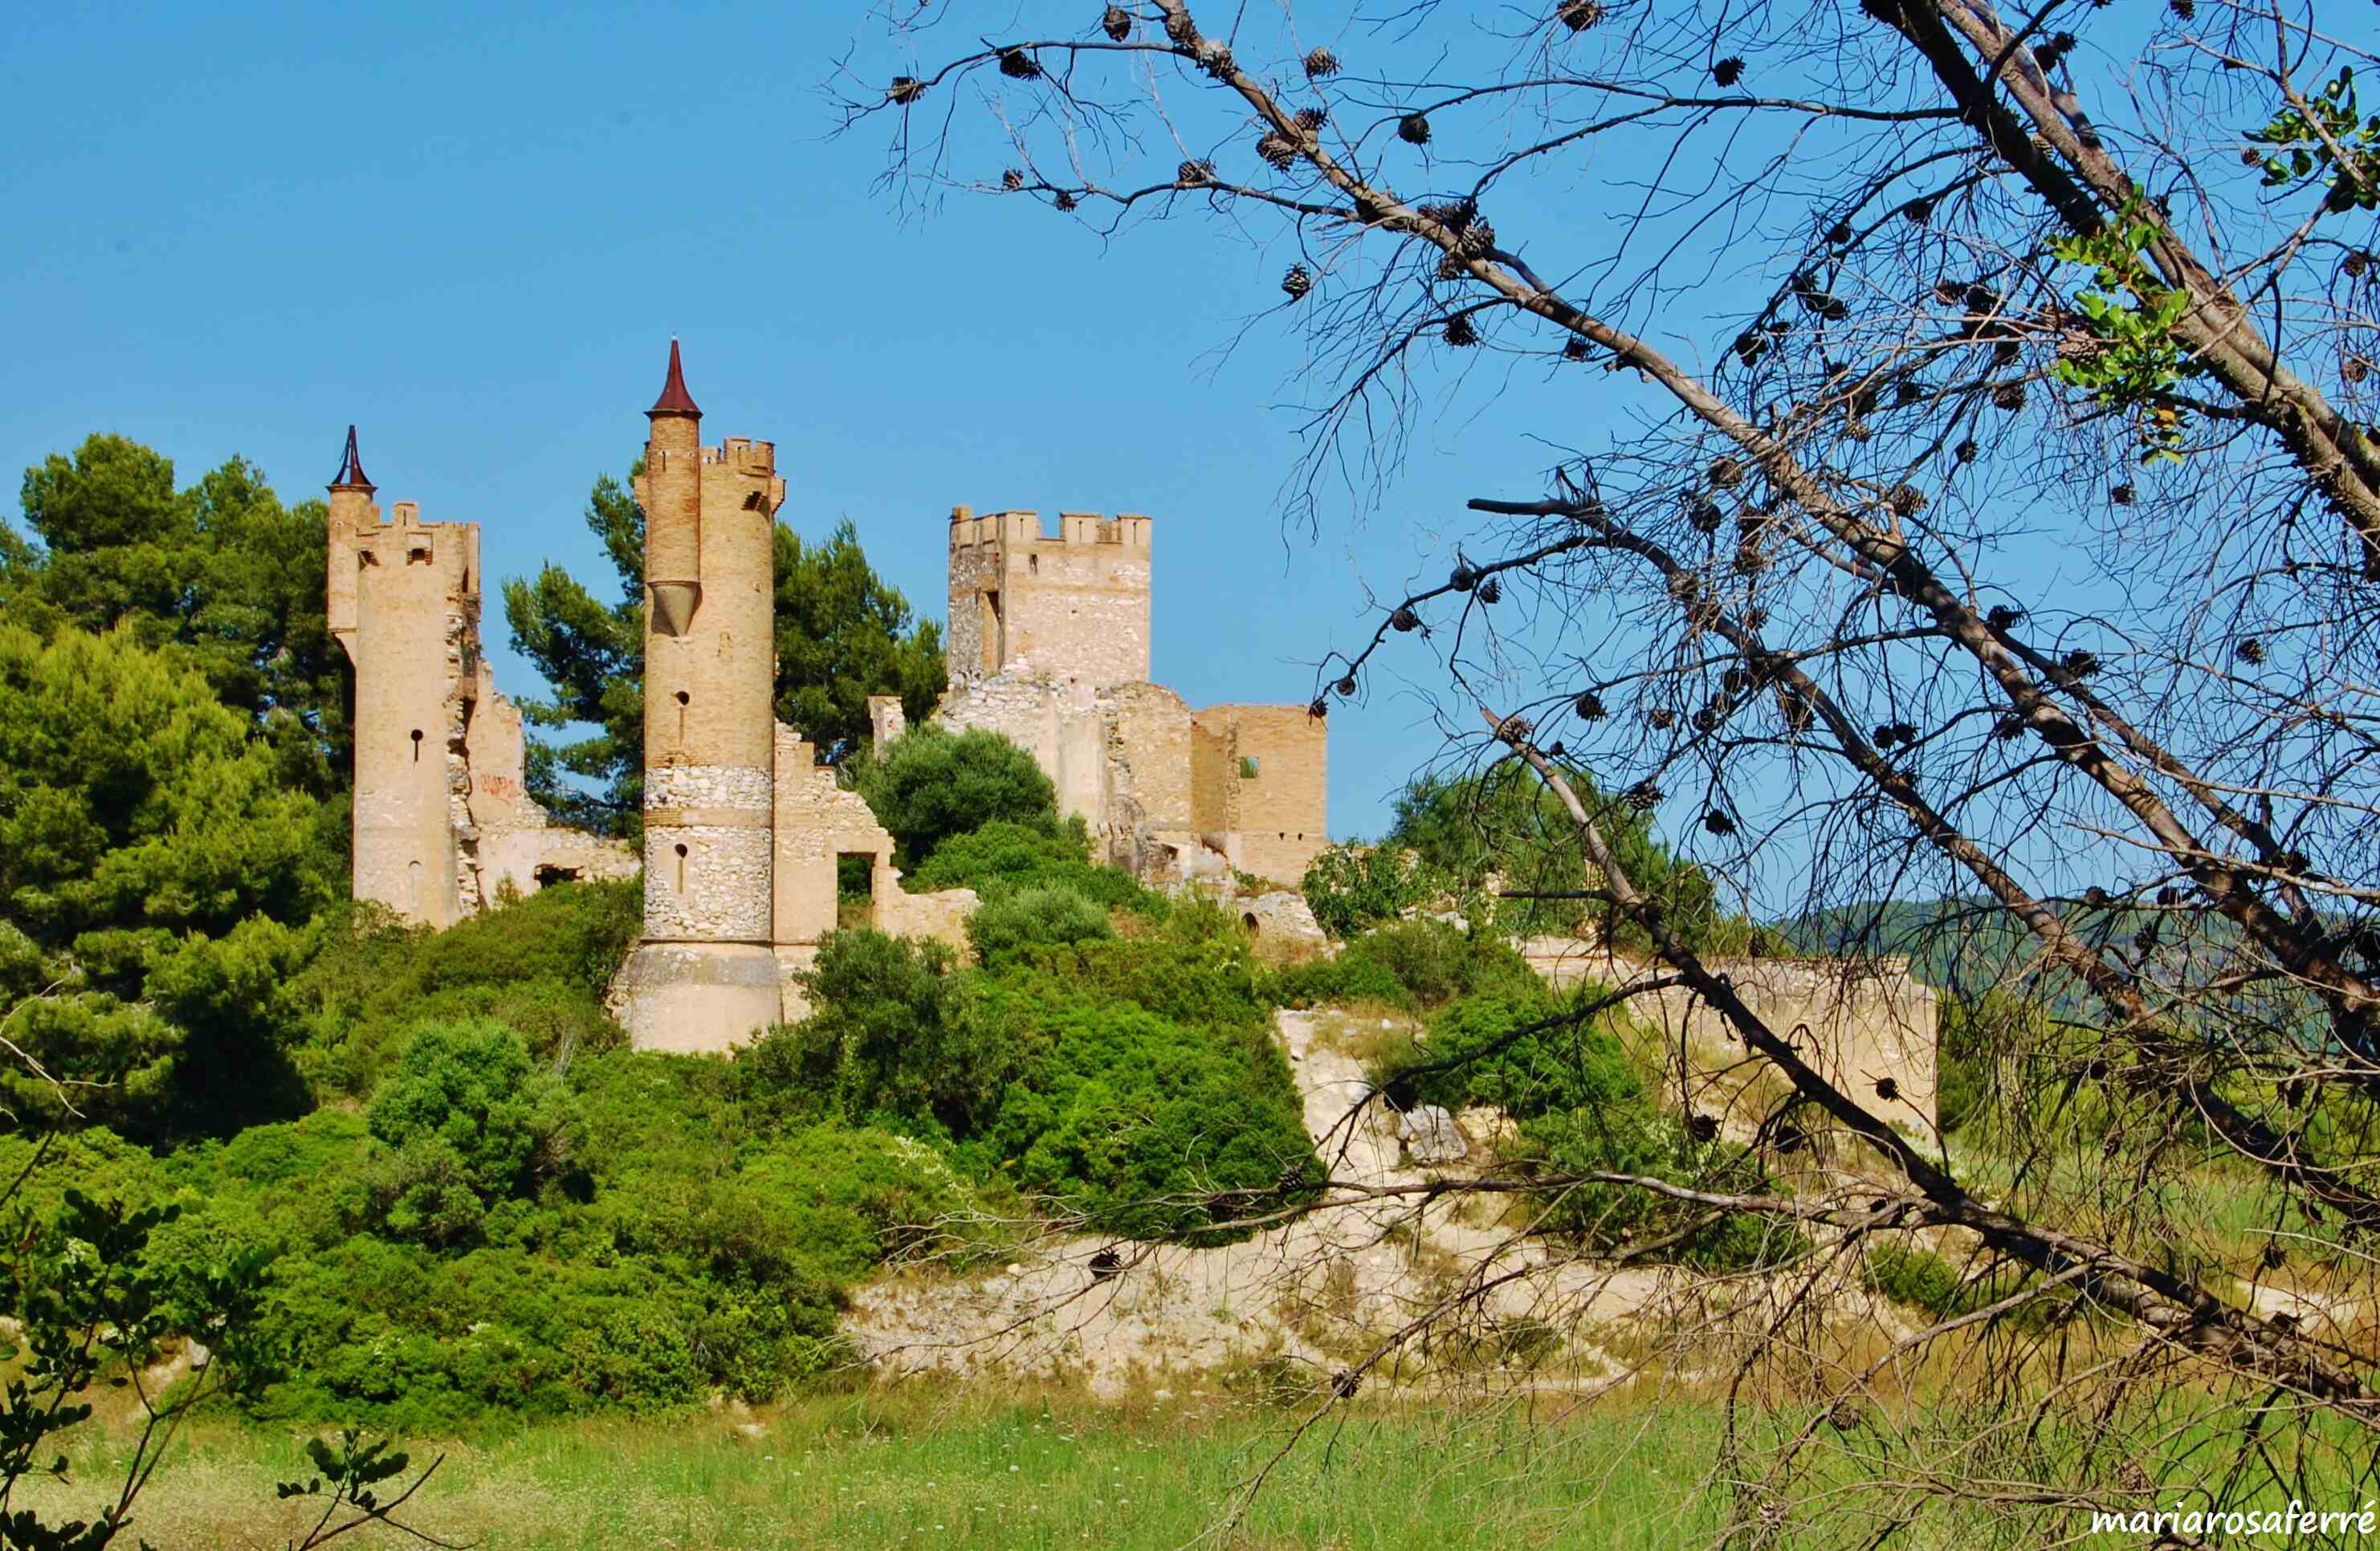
[854,890]
[1249,920]
[1248,767]
[547,875]
[990,631]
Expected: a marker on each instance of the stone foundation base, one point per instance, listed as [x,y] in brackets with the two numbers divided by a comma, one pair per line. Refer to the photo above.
[696,996]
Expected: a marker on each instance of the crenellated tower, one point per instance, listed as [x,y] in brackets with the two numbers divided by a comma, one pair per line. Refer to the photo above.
[404,601]
[704,976]
[1073,608]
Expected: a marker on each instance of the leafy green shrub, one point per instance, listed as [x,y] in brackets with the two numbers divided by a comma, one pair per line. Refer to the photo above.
[540,964]
[1135,1120]
[1414,964]
[1046,918]
[468,1121]
[884,1042]
[1556,1070]
[1004,857]
[930,784]
[901,1195]
[1352,887]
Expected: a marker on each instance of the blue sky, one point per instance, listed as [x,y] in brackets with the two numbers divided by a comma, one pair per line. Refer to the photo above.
[239,229]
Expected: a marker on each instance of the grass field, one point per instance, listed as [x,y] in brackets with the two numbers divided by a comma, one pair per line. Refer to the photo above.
[895,1470]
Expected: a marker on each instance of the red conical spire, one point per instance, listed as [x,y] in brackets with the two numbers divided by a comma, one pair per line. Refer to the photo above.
[674,399]
[351,474]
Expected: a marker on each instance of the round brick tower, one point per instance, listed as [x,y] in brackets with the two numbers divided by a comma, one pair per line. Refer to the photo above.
[703,978]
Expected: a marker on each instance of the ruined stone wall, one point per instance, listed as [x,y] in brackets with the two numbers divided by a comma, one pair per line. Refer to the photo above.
[1259,776]
[1857,1023]
[817,822]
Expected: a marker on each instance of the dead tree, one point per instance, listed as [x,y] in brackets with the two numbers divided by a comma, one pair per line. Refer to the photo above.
[1986,510]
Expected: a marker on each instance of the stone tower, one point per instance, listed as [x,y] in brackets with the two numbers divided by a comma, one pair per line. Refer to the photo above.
[404,601]
[1073,609]
[704,976]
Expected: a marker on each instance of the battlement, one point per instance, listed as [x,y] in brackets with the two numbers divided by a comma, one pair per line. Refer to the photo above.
[743,454]
[1125,530]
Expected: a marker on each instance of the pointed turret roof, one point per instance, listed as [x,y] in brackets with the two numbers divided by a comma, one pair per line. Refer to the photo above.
[674,399]
[351,474]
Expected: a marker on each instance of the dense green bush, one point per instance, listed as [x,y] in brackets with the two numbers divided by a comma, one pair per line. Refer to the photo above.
[1053,916]
[930,785]
[1352,887]
[1134,1120]
[1005,858]
[1412,965]
[1127,1079]
[884,1042]
[466,1121]
[540,964]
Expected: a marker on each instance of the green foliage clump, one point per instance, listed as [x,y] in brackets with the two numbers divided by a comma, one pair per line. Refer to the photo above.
[1352,887]
[1580,1107]
[2136,355]
[540,965]
[931,785]
[1412,965]
[467,1123]
[1503,822]
[1129,1080]
[884,1041]
[1043,917]
[146,832]
[1005,858]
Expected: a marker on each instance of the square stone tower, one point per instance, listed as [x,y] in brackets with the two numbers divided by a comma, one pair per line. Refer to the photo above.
[1072,609]
[404,601]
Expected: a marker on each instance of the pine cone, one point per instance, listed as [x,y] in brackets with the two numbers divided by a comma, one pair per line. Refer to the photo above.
[1063,203]
[1116,23]
[2123,494]
[1414,129]
[907,90]
[1575,349]
[1491,591]
[1319,708]
[1727,71]
[1106,1264]
[1277,151]
[1918,212]
[1589,707]
[2250,650]
[1579,15]
[1460,332]
[1297,282]
[2008,396]
[1718,823]
[1405,620]
[2082,664]
[1345,1382]
[1710,719]
[1906,501]
[1965,451]
[1321,63]
[1463,578]
[1661,718]
[1908,392]
[1311,119]
[1194,175]
[1478,238]
[1644,796]
[1017,64]
[2186,9]
[1346,687]
[1703,517]
[2002,617]
[1012,180]
[1450,265]
[1839,234]
[1750,347]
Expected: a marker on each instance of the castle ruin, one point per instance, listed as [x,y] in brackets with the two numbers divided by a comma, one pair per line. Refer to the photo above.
[1049,644]
[443,822]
